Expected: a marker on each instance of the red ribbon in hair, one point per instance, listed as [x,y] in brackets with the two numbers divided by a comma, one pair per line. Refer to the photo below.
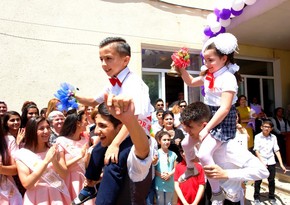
[209,76]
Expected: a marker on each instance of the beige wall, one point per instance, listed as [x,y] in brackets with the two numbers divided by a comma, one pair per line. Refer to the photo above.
[44,43]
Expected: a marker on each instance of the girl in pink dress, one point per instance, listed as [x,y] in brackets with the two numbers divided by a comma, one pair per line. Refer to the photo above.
[11,128]
[41,167]
[73,142]
[9,194]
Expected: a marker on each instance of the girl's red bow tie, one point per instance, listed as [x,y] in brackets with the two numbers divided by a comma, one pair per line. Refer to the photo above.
[209,76]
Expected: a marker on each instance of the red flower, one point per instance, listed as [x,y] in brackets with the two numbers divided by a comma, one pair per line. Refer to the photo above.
[181,59]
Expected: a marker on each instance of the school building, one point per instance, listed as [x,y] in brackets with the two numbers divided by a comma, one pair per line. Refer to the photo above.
[45,43]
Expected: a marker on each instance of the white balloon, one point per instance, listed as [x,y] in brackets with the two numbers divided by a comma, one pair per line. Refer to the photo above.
[215,27]
[211,18]
[225,23]
[250,2]
[238,5]
[205,38]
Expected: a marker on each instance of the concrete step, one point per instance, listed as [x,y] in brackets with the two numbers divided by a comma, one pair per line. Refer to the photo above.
[282,181]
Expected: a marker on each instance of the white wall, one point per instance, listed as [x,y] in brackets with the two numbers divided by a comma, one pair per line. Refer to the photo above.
[44,43]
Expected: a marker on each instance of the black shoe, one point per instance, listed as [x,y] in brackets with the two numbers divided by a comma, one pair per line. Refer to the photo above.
[85,194]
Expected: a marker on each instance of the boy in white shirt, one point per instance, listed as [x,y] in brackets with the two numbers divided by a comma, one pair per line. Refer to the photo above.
[265,145]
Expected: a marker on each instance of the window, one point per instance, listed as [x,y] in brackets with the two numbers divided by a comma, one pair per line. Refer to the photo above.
[258,79]
[155,65]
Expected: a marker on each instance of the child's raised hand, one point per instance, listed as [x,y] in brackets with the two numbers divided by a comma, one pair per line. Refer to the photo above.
[111,154]
[50,155]
[20,135]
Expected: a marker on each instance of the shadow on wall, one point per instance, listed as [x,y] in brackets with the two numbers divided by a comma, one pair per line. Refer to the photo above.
[164,6]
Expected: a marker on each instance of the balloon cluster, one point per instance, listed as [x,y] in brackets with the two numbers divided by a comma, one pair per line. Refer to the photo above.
[222,15]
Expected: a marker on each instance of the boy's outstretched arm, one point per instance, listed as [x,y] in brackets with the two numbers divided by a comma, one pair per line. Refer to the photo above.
[88,101]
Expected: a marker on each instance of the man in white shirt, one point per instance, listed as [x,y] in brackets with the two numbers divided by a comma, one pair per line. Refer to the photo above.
[233,164]
[129,180]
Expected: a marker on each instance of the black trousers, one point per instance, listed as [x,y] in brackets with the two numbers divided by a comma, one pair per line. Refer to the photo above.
[271,183]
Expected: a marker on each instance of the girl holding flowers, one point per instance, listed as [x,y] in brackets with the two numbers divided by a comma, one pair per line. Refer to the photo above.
[221,86]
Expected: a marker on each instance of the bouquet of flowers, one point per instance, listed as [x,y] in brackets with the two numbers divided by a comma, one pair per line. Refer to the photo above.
[66,97]
[181,58]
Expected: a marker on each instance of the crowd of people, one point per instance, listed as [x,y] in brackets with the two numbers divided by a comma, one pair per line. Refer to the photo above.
[116,149]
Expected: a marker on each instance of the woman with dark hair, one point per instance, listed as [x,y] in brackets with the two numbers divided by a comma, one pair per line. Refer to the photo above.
[9,193]
[41,167]
[28,112]
[176,134]
[11,126]
[74,144]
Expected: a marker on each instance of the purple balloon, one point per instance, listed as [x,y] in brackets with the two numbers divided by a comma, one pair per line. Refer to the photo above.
[200,54]
[217,12]
[223,30]
[213,35]
[207,31]
[225,14]
[236,13]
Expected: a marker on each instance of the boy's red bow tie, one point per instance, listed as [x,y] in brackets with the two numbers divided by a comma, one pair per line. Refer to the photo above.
[209,76]
[115,80]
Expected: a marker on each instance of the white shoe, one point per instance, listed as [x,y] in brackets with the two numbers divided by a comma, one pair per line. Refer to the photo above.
[273,202]
[218,198]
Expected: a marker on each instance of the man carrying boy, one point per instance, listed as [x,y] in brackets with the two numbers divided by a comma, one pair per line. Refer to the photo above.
[233,164]
[128,181]
[265,145]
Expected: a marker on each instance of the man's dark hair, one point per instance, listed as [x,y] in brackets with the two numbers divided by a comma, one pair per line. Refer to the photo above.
[102,110]
[196,112]
[181,101]
[122,47]
[158,100]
